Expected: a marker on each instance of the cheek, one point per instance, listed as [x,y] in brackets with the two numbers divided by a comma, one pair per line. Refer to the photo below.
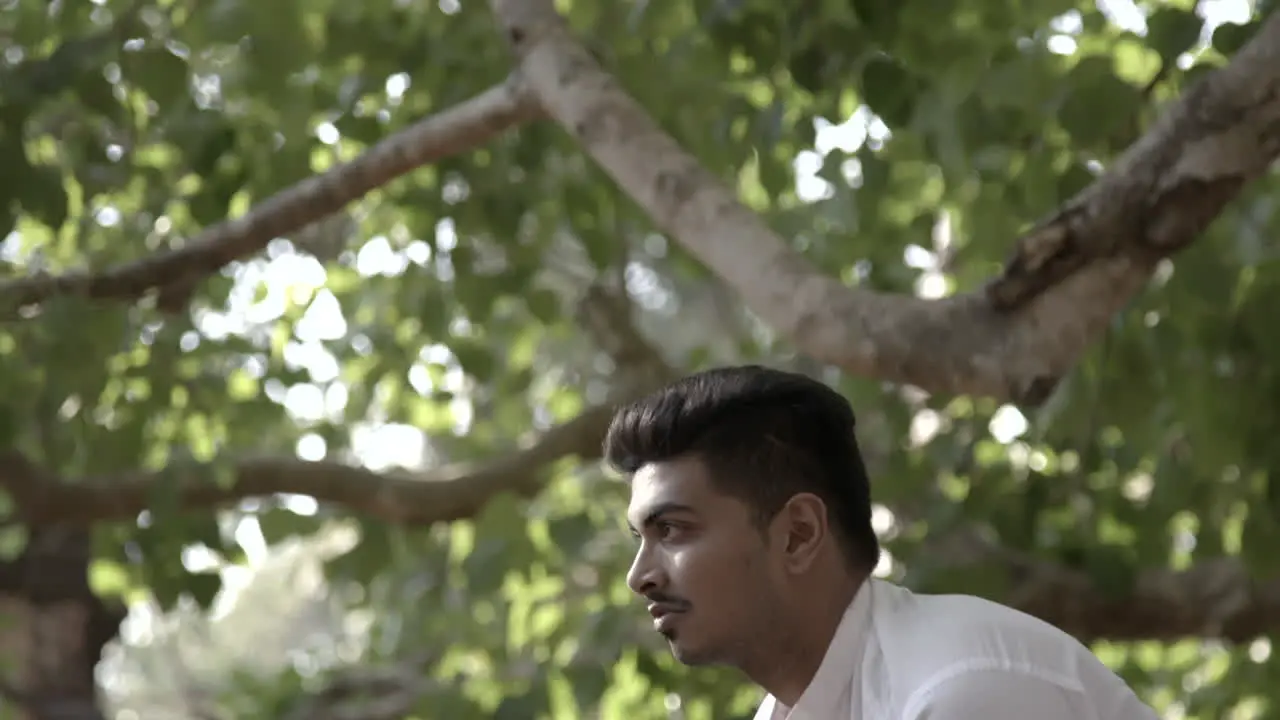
[710,570]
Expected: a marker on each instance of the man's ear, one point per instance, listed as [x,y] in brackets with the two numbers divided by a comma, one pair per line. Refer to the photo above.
[800,529]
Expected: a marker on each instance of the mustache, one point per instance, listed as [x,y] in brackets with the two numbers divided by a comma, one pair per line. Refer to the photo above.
[664,599]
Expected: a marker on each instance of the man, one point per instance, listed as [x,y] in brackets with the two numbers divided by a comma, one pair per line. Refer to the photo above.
[751,507]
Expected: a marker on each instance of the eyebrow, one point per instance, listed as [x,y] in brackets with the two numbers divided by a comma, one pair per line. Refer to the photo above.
[658,511]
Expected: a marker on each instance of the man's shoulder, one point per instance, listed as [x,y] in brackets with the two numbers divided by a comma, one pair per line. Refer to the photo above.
[921,641]
[934,633]
[960,617]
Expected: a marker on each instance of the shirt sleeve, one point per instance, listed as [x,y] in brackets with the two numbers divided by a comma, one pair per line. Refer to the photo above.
[997,695]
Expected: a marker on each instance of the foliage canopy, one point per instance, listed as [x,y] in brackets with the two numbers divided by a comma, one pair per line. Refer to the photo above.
[456,310]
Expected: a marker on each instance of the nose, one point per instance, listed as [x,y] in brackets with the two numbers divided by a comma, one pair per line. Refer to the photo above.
[645,574]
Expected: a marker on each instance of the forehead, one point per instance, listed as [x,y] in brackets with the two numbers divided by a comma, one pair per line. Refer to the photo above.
[683,482]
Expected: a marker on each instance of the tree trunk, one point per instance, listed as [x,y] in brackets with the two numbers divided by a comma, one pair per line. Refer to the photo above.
[52,629]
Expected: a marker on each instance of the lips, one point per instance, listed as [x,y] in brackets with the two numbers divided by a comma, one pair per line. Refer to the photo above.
[664,614]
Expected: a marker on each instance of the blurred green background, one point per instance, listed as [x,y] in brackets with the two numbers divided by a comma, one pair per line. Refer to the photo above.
[451,316]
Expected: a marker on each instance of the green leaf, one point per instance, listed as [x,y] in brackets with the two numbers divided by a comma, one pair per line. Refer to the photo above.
[43,196]
[589,684]
[1172,31]
[475,358]
[544,304]
[650,669]
[361,128]
[279,524]
[13,540]
[808,68]
[213,202]
[532,704]
[890,91]
[207,137]
[1228,38]
[1112,570]
[98,94]
[159,73]
[1076,178]
[203,588]
[363,562]
[485,567]
[1101,107]
[109,578]
[570,533]
[8,221]
[879,15]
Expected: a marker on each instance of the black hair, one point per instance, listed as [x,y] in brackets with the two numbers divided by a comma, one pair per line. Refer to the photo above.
[764,435]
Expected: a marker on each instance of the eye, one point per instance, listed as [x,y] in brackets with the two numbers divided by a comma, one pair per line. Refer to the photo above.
[666,529]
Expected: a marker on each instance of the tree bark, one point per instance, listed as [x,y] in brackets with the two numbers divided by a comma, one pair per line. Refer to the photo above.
[1216,599]
[1069,276]
[452,131]
[54,628]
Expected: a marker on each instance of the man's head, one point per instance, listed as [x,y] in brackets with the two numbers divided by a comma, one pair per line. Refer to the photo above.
[747,489]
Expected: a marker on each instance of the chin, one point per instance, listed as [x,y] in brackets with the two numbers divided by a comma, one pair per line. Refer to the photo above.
[689,655]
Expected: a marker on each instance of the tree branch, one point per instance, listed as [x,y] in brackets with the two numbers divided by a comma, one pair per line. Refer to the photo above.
[1163,192]
[1213,599]
[449,493]
[1013,342]
[606,317]
[449,132]
[368,693]
[1067,278]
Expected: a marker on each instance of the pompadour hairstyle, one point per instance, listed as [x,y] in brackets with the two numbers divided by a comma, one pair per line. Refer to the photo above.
[764,435]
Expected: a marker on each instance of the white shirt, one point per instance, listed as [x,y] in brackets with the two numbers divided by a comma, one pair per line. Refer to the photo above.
[901,656]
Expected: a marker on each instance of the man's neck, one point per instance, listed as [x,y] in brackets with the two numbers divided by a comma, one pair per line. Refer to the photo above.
[787,667]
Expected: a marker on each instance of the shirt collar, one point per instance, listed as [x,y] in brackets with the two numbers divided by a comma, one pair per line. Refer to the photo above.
[841,664]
